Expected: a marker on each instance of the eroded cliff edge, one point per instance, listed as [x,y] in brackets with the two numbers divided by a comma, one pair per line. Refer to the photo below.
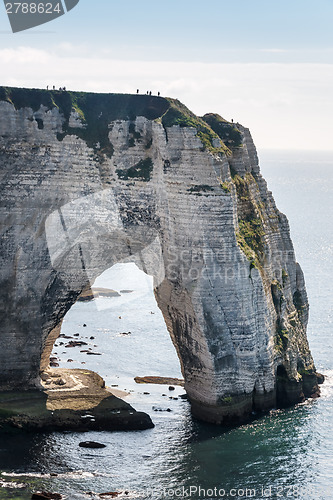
[89,180]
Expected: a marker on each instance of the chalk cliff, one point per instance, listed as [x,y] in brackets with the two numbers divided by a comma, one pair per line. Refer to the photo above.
[89,180]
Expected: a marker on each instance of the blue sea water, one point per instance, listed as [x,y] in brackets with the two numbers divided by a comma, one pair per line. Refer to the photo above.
[285,454]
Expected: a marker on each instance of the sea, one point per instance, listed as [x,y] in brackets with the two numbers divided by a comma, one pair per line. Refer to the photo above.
[283,454]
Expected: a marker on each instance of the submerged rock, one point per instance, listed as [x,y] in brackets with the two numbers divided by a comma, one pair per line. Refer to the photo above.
[45,495]
[91,444]
[159,380]
[94,293]
[75,343]
[111,494]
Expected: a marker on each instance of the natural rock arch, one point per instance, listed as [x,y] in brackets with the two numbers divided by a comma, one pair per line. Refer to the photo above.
[86,237]
[141,178]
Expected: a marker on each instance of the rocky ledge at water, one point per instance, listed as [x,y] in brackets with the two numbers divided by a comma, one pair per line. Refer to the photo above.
[94,293]
[75,400]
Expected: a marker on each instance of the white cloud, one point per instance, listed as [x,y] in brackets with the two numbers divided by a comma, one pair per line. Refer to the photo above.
[284,105]
[274,51]
[23,56]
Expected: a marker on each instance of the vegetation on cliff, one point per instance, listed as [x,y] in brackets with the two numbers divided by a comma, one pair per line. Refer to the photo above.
[250,234]
[227,132]
[97,111]
[141,171]
[178,114]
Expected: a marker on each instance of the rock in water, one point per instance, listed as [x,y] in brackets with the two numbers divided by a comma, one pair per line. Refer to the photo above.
[45,495]
[75,343]
[94,293]
[190,206]
[110,494]
[91,444]
[159,380]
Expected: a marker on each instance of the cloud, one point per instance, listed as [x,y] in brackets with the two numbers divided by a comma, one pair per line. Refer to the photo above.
[274,51]
[23,56]
[284,105]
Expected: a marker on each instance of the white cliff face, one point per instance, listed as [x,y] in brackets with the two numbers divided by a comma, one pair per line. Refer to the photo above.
[203,224]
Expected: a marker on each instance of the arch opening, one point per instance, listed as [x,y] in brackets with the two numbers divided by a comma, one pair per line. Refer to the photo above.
[117,330]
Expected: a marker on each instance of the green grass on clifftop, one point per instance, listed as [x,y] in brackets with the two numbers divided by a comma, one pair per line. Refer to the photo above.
[88,104]
[226,131]
[97,111]
[178,114]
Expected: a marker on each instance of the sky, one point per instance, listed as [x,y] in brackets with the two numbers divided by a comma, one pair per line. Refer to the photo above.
[265,64]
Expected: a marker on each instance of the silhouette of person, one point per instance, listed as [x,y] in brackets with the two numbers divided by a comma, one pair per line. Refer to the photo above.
[137,91]
[158,93]
[150,93]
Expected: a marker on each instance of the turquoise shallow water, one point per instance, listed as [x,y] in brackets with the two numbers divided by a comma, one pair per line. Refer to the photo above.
[286,454]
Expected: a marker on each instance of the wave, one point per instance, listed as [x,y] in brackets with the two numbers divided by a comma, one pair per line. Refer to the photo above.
[12,485]
[326,389]
[73,475]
